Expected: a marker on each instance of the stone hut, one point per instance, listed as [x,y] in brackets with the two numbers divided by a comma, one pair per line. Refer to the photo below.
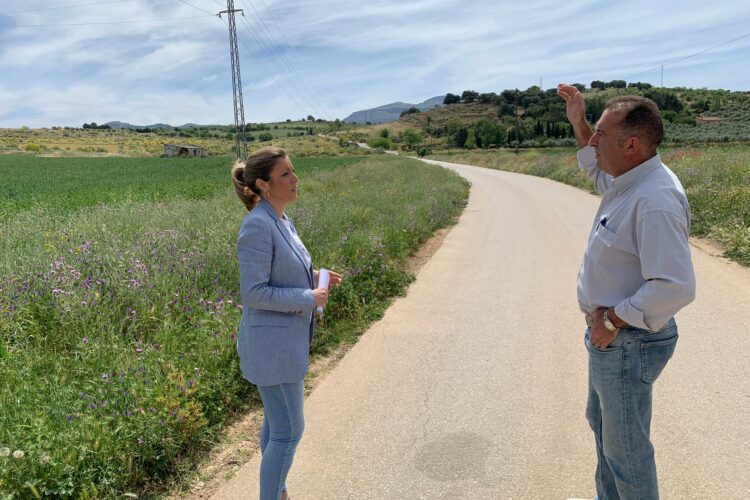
[183,151]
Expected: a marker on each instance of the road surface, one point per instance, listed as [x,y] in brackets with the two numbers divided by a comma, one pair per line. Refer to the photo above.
[473,386]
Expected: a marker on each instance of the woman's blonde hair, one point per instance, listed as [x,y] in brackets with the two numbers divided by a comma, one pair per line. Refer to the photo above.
[257,166]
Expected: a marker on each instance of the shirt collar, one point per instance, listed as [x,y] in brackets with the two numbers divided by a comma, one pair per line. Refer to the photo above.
[636,174]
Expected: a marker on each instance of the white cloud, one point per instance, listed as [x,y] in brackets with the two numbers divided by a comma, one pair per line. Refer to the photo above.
[357,55]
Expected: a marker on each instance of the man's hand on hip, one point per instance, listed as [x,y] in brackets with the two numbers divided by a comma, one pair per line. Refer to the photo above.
[601,337]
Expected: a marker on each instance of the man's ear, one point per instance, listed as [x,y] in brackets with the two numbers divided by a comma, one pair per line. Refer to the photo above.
[633,145]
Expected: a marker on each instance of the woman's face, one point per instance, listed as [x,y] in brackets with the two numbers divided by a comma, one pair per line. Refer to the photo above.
[282,184]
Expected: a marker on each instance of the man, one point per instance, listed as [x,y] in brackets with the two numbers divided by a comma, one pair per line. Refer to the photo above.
[636,274]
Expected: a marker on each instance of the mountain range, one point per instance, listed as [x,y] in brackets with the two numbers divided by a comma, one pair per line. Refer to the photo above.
[155,125]
[392,112]
[386,113]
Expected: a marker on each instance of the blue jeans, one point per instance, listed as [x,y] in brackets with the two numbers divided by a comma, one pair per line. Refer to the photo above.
[283,425]
[621,380]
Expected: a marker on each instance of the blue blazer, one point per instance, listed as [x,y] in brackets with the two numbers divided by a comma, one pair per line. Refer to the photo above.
[276,287]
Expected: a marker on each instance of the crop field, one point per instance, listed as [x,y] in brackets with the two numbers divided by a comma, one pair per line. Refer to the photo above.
[716,179]
[298,138]
[119,304]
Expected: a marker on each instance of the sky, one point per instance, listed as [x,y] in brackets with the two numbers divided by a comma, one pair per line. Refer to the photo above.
[69,62]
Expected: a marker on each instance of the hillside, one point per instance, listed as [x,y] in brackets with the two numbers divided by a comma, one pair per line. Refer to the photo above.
[392,111]
[535,117]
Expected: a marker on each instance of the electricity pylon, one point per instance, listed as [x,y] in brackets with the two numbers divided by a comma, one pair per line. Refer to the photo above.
[234,54]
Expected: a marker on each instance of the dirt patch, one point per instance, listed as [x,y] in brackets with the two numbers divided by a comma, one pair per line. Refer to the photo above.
[709,246]
[240,440]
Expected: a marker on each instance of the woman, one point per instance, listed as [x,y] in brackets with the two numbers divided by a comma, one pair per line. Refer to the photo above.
[279,295]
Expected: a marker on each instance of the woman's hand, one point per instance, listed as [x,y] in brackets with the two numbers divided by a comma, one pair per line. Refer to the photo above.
[334,279]
[320,296]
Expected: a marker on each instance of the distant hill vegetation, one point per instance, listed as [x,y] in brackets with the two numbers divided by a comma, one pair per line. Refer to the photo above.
[392,111]
[155,126]
[535,117]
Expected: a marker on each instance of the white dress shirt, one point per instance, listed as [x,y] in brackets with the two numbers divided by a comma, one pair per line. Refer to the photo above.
[638,257]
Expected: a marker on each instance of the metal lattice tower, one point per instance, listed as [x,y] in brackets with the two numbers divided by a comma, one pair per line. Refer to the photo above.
[239,109]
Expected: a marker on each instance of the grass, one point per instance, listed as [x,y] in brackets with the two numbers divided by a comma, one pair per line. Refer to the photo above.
[73,142]
[716,179]
[64,185]
[118,319]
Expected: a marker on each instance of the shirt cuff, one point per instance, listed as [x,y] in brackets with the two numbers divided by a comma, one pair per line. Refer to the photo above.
[586,157]
[629,314]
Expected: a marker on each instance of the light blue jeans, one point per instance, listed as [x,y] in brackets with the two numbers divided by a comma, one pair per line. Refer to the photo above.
[283,425]
[621,381]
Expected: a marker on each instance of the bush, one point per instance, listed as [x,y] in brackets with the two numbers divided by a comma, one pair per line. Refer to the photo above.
[379,142]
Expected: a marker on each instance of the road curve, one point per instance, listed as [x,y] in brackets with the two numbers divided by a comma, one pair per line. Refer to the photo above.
[473,386]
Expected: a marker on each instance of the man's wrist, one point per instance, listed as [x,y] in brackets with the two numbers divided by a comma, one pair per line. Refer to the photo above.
[615,319]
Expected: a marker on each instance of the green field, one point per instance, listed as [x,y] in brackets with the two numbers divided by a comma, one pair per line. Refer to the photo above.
[63,185]
[119,304]
[716,179]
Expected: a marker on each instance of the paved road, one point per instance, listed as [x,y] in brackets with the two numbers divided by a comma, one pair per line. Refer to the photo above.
[473,385]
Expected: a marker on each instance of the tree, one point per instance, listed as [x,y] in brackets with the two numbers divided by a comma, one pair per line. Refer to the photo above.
[509,96]
[617,84]
[469,96]
[453,125]
[460,136]
[665,99]
[412,137]
[409,111]
[451,99]
[385,133]
[488,98]
[506,109]
[489,134]
[471,140]
[598,84]
[310,118]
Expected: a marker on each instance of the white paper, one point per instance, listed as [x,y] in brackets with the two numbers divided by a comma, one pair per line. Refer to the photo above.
[323,279]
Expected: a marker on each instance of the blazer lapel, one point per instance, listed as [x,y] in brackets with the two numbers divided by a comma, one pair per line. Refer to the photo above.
[288,237]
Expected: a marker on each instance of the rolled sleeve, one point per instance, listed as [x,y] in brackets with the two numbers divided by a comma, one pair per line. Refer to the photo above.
[666,267]
[587,162]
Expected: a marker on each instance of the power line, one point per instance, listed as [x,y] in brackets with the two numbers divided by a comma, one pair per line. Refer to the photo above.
[109,22]
[193,6]
[299,62]
[305,80]
[259,61]
[282,59]
[267,51]
[65,7]
[688,56]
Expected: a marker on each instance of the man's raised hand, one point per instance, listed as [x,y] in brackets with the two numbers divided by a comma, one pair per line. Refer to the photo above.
[575,108]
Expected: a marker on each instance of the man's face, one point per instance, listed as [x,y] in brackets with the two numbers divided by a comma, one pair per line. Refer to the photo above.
[606,141]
